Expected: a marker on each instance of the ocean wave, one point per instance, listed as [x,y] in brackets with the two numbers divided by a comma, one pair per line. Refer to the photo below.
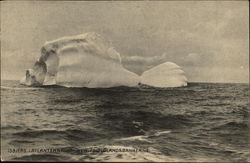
[122,122]
[70,134]
[232,125]
[21,88]
[144,138]
[10,127]
[41,157]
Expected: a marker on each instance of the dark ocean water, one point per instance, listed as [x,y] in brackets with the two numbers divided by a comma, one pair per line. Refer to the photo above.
[200,122]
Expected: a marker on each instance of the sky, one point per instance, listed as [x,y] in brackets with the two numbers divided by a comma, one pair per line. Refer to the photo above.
[208,39]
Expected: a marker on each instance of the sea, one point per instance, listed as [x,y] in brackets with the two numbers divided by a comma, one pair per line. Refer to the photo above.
[202,122]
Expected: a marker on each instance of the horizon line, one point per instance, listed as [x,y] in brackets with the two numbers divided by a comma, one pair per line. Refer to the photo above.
[213,82]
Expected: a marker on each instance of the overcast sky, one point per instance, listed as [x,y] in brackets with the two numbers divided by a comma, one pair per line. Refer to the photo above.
[209,39]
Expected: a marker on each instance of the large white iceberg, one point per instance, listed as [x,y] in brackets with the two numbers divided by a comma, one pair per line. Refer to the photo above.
[88,60]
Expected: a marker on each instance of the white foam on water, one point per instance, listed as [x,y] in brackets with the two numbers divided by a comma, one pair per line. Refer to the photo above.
[144,138]
[161,133]
[133,138]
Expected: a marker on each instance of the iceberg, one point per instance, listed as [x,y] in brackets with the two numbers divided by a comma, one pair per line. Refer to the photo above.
[88,60]
[80,61]
[167,74]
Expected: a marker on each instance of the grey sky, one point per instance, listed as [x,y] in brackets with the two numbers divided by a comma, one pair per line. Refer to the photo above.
[209,39]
